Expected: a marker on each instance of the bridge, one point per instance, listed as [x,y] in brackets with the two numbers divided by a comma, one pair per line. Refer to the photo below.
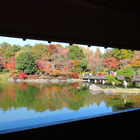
[103,79]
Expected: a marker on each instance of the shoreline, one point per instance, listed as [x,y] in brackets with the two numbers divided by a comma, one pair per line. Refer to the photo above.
[45,80]
[128,91]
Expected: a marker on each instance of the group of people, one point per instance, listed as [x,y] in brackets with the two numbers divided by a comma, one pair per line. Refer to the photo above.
[106,73]
[45,73]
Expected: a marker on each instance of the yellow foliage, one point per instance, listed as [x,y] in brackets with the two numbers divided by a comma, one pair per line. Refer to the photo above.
[17,54]
[76,63]
[15,71]
[135,63]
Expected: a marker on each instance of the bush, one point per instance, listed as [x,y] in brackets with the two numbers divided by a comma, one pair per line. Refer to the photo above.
[5,70]
[23,75]
[0,70]
[12,75]
[75,75]
[100,74]
[15,71]
[94,73]
[79,70]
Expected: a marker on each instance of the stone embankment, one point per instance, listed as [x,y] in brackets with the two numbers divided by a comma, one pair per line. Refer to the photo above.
[44,80]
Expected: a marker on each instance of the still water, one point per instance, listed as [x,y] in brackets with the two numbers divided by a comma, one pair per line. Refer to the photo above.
[23,105]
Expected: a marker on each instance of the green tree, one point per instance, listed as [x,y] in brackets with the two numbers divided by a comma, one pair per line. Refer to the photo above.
[59,45]
[36,55]
[27,97]
[16,48]
[6,48]
[111,79]
[84,64]
[127,72]
[26,63]
[41,48]
[75,53]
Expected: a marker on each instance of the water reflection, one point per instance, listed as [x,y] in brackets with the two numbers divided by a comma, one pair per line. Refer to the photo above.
[57,96]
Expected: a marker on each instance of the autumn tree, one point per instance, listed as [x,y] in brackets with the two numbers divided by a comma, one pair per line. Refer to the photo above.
[3,62]
[119,54]
[62,52]
[90,63]
[76,64]
[135,63]
[95,63]
[75,53]
[17,54]
[10,65]
[41,65]
[111,63]
[87,52]
[51,49]
[100,54]
[124,62]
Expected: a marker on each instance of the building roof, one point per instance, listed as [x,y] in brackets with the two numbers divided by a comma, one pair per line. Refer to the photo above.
[109,23]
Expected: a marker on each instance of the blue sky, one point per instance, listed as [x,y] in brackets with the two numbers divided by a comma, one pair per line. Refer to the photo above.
[19,41]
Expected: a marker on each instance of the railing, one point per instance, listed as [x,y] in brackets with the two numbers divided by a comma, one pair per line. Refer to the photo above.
[136,78]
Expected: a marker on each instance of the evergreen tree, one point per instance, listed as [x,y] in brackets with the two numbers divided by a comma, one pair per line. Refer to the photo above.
[26,63]
[75,53]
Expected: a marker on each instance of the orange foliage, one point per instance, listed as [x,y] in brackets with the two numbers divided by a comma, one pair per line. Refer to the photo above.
[75,85]
[135,63]
[51,49]
[10,65]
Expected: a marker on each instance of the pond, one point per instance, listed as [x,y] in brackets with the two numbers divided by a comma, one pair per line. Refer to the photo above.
[23,105]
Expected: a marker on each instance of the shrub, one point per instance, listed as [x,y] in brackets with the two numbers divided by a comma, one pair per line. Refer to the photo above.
[5,70]
[23,75]
[12,74]
[15,71]
[79,70]
[94,73]
[75,75]
[100,74]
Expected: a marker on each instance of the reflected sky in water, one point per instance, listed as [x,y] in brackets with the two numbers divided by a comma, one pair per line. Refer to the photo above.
[23,105]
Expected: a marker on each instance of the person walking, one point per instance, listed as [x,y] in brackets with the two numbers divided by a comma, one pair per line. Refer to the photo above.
[105,75]
[125,84]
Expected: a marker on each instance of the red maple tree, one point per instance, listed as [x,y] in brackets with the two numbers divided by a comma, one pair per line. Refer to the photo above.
[3,61]
[41,65]
[111,63]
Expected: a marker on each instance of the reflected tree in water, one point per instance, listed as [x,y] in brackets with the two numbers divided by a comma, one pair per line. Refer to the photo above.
[26,97]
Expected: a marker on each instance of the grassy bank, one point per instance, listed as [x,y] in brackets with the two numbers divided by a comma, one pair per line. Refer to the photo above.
[123,90]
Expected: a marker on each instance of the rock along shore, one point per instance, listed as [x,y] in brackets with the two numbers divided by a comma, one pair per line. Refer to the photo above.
[44,80]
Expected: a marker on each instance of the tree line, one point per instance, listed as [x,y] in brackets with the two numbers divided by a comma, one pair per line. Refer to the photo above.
[56,59]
